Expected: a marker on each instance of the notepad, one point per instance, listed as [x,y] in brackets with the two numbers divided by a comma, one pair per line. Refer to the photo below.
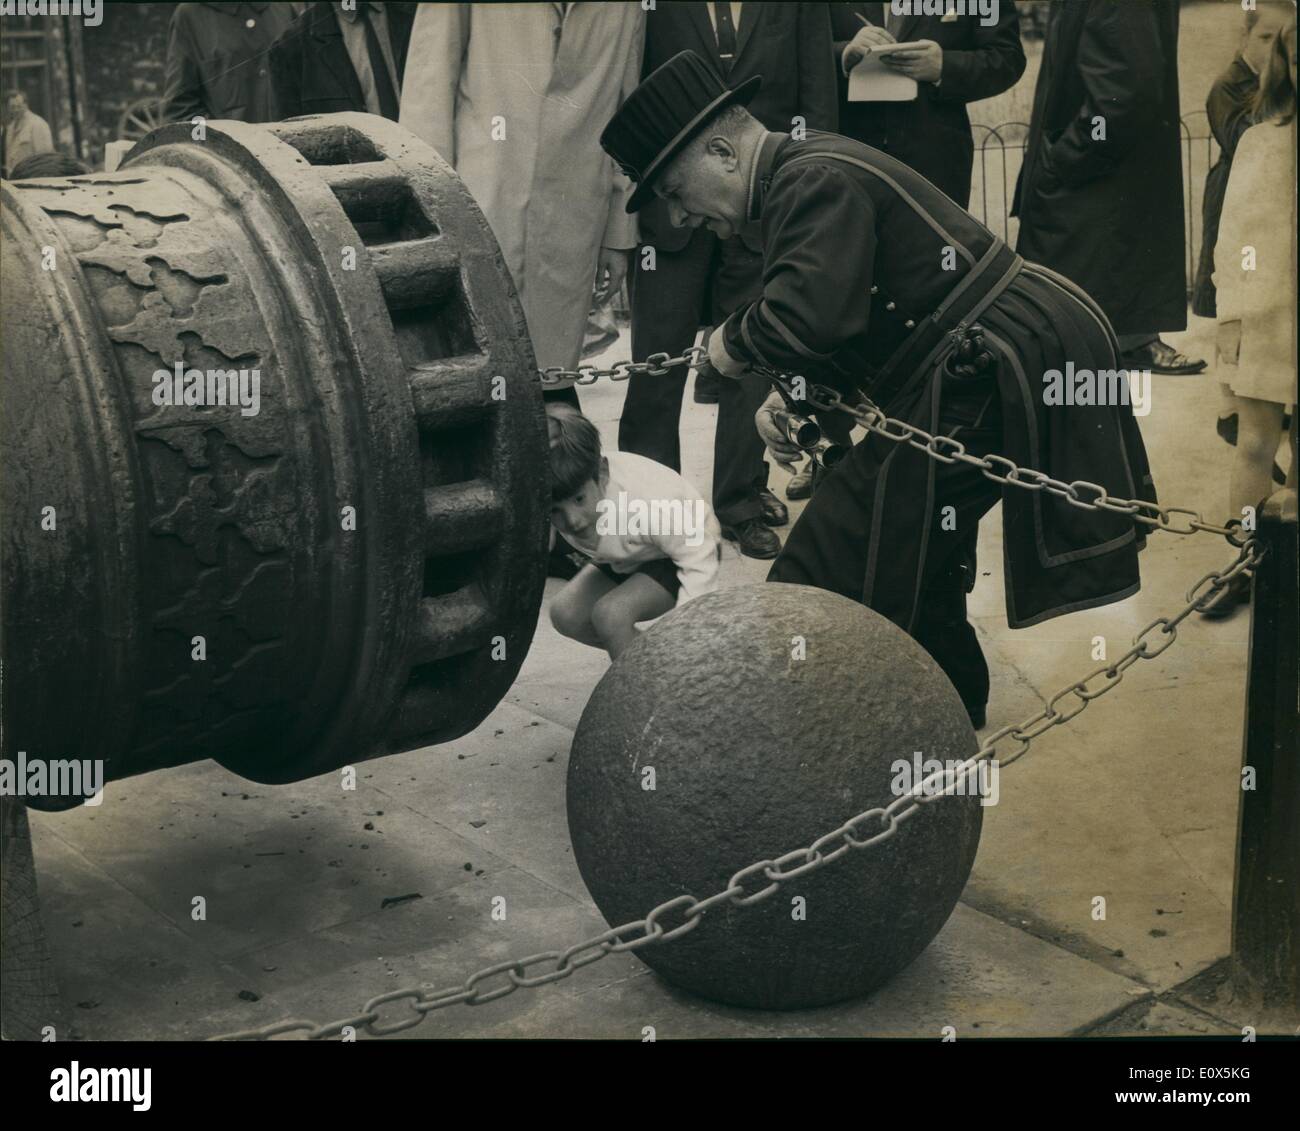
[873,81]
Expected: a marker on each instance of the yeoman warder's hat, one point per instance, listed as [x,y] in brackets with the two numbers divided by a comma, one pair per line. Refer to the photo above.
[672,105]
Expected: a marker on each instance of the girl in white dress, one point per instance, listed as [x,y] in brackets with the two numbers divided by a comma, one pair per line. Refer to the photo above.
[1255,275]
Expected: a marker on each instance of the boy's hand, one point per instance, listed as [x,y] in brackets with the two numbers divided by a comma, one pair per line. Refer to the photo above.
[611,270]
[773,436]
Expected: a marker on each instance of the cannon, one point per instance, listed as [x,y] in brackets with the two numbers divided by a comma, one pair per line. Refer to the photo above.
[332,550]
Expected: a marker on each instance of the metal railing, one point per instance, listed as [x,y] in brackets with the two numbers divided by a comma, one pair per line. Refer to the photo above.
[1000,152]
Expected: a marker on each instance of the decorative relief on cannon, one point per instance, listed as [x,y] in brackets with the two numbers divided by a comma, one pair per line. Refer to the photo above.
[276,489]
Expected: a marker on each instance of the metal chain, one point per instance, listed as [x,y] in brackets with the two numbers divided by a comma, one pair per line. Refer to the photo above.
[870,827]
[683,913]
[999,469]
[945,449]
[656,365]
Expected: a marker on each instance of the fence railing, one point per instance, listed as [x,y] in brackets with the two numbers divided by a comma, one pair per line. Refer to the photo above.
[1000,152]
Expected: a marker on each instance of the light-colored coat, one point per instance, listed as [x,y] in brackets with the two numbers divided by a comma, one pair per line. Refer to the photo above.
[515,97]
[1257,308]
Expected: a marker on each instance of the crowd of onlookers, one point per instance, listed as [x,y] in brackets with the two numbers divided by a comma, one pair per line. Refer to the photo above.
[515,96]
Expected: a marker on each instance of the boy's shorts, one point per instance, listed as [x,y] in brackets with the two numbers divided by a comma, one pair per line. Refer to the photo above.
[662,570]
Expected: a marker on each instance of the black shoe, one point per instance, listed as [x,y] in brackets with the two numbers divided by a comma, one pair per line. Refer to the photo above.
[801,483]
[1161,357]
[1226,427]
[1228,599]
[774,512]
[754,539]
[978,719]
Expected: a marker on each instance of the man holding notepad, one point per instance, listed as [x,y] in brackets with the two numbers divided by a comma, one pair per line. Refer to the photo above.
[949,60]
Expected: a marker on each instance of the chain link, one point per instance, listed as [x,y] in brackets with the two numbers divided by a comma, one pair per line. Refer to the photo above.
[868,828]
[656,365]
[999,469]
[944,449]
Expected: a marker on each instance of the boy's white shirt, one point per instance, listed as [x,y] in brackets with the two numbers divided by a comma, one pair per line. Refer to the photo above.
[642,480]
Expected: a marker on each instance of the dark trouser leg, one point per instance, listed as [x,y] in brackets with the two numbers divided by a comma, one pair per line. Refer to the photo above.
[666,307]
[1130,342]
[941,626]
[828,546]
[739,469]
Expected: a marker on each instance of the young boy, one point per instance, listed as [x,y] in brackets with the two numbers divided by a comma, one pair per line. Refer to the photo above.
[645,538]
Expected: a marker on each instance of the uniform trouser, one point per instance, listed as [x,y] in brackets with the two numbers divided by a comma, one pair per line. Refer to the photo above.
[828,546]
[699,285]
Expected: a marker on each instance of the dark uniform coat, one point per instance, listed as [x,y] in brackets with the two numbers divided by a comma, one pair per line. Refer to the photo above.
[932,134]
[1108,213]
[854,271]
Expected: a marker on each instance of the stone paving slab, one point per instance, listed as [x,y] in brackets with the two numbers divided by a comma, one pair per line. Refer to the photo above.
[979,976]
[268,860]
[124,971]
[501,788]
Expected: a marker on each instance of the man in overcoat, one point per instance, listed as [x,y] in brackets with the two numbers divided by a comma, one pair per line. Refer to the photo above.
[1100,195]
[513,97]
[872,279]
[218,62]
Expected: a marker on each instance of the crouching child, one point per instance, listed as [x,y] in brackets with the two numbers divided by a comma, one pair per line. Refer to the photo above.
[645,539]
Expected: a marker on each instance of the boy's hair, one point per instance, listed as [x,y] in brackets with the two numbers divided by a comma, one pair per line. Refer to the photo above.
[575,450]
[48,165]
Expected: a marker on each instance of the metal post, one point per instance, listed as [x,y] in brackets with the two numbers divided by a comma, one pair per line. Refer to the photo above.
[1266,898]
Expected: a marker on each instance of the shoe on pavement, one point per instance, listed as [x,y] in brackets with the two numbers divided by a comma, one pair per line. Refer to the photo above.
[1160,357]
[753,538]
[774,512]
[978,717]
[801,484]
[1228,599]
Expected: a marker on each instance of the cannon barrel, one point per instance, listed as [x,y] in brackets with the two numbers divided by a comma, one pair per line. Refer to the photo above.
[345,563]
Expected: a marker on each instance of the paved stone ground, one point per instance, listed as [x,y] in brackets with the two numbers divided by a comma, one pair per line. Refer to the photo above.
[1134,801]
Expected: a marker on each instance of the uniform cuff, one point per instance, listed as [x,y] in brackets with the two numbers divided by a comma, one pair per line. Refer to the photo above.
[721,358]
